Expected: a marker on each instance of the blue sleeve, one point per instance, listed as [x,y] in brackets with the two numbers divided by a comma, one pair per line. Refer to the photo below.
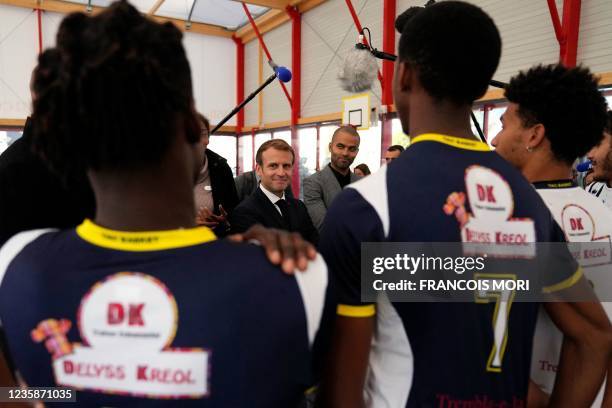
[350,221]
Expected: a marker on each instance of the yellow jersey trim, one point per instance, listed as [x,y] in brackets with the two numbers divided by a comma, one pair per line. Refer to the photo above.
[143,241]
[356,311]
[458,142]
[564,284]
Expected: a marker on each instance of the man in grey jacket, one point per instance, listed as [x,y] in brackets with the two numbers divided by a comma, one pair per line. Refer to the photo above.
[322,187]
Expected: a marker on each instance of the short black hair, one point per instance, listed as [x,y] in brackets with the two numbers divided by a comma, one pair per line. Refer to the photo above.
[455,48]
[566,101]
[395,148]
[609,122]
[118,87]
[364,169]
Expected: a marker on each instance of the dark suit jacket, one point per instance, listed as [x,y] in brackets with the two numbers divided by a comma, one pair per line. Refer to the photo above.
[258,209]
[222,185]
[221,182]
[32,196]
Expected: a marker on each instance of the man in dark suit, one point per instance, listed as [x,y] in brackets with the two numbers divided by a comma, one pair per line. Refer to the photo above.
[268,205]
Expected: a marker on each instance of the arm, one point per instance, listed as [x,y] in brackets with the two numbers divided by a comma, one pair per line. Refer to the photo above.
[586,349]
[344,379]
[536,398]
[313,198]
[607,399]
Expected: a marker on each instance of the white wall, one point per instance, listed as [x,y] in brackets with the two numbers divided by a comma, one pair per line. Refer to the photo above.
[212,60]
[18,51]
[275,103]
[213,72]
[251,82]
[328,33]
[595,41]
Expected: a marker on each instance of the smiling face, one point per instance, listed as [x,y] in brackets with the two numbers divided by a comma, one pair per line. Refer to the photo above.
[601,157]
[343,148]
[275,170]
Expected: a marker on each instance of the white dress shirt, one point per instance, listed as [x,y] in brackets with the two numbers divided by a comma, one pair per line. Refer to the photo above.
[272,197]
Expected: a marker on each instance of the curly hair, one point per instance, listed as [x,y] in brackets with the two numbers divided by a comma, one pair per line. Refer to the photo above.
[566,101]
[609,122]
[455,48]
[112,93]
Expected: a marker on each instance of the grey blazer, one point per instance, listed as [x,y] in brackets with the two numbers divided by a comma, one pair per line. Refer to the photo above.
[320,189]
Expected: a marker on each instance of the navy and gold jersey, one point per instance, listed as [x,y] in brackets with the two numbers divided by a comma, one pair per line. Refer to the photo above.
[441,189]
[171,318]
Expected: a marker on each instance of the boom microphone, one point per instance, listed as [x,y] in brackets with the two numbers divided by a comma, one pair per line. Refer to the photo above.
[584,167]
[282,73]
[358,70]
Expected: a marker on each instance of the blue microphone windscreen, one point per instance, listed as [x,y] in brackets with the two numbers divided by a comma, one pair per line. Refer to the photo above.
[283,74]
[582,167]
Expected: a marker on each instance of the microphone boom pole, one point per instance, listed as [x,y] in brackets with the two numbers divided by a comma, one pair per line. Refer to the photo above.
[234,111]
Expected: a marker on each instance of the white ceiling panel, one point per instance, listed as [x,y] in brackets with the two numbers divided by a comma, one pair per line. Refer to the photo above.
[224,13]
[142,5]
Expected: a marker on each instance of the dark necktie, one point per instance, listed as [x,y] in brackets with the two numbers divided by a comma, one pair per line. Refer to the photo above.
[284,207]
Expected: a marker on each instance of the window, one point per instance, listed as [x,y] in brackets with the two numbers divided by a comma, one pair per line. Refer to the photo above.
[398,137]
[369,148]
[308,153]
[226,147]
[283,135]
[260,138]
[479,114]
[494,123]
[7,138]
[325,135]
[245,145]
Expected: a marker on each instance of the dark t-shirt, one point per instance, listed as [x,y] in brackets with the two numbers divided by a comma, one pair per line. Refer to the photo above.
[343,180]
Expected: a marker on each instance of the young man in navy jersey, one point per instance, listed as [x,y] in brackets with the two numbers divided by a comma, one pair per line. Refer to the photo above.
[139,306]
[399,354]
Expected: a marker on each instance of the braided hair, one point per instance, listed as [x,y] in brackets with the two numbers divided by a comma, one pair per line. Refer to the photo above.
[113,92]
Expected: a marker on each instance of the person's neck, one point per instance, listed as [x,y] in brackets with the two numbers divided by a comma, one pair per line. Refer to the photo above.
[152,201]
[344,172]
[442,118]
[543,167]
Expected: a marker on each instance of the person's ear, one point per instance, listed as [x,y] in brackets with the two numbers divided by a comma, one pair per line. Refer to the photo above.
[536,136]
[406,76]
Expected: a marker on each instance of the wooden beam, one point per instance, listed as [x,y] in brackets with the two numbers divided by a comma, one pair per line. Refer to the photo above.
[271,125]
[605,78]
[273,19]
[64,7]
[227,129]
[330,117]
[273,4]
[56,6]
[21,123]
[491,95]
[155,7]
[12,122]
[200,28]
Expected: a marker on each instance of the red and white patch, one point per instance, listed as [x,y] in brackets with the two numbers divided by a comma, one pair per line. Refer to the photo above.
[490,225]
[127,323]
